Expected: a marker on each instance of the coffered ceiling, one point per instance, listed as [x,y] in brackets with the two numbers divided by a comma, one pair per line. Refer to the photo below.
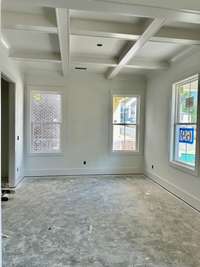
[109,37]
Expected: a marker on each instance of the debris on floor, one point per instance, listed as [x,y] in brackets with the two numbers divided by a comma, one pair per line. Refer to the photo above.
[5,236]
[98,221]
[4,197]
[5,192]
[90,228]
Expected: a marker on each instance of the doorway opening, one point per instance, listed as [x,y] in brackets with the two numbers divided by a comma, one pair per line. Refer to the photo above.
[7,132]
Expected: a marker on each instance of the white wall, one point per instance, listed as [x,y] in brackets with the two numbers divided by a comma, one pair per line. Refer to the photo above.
[157,131]
[87,110]
[10,69]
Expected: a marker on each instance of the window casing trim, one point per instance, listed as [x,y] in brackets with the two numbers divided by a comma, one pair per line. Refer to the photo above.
[39,89]
[172,161]
[137,124]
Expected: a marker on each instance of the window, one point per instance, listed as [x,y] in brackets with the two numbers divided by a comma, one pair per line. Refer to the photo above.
[125,123]
[45,122]
[185,108]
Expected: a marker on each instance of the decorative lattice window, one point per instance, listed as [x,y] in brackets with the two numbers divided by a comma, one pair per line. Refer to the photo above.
[46,121]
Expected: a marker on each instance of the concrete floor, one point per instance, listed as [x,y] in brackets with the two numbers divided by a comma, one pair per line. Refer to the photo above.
[118,221]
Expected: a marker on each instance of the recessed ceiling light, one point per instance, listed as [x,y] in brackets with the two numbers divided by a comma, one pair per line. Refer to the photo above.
[99,45]
[80,68]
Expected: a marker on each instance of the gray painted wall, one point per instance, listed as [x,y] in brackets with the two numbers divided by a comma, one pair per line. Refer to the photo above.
[157,130]
[87,125]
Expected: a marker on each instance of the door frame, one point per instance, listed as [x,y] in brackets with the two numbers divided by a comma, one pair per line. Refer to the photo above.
[12,130]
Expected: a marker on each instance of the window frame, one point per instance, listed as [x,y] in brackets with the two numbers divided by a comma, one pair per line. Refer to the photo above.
[174,113]
[47,91]
[138,122]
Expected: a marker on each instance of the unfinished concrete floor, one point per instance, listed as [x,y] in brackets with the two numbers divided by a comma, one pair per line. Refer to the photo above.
[96,221]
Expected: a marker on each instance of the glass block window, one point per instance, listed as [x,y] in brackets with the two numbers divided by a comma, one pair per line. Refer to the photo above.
[46,120]
[185,102]
[125,123]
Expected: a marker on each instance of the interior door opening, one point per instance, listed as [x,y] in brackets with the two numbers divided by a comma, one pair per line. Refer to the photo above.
[7,133]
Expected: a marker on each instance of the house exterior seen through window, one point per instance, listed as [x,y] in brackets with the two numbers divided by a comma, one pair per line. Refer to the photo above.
[185,102]
[45,122]
[125,123]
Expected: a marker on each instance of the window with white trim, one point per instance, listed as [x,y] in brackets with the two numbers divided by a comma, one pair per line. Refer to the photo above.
[125,123]
[184,122]
[46,121]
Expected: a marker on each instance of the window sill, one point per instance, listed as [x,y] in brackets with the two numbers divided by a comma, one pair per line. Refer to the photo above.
[56,154]
[184,168]
[126,153]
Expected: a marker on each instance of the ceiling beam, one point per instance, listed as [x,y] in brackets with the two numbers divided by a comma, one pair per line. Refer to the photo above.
[111,7]
[141,63]
[178,4]
[63,24]
[102,29]
[27,22]
[35,57]
[106,29]
[132,32]
[137,63]
[90,60]
[185,36]
[145,37]
[185,53]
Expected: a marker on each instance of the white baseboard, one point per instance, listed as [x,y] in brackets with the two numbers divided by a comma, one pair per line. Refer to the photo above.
[81,171]
[174,189]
